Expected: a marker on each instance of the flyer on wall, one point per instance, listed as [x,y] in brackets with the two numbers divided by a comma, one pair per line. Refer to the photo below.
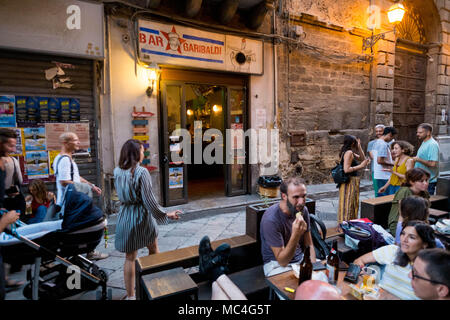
[34,139]
[7,111]
[36,164]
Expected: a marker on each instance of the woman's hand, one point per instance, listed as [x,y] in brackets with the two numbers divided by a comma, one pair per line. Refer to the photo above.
[29,198]
[365,162]
[359,262]
[382,189]
[387,170]
[174,215]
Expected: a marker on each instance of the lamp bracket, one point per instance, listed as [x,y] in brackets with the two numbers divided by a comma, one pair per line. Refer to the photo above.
[369,42]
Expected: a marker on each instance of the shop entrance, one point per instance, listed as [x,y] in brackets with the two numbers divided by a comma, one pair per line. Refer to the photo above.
[206,105]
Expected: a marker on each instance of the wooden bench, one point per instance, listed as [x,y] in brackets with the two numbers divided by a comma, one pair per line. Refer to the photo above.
[244,254]
[245,261]
[377,209]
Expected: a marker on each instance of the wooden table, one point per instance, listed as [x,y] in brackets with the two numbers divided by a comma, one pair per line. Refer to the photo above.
[287,279]
[169,283]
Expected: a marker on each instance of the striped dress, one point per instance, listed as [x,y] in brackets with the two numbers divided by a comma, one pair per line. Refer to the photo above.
[136,225]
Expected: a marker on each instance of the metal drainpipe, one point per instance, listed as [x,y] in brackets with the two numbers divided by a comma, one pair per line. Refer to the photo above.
[275,73]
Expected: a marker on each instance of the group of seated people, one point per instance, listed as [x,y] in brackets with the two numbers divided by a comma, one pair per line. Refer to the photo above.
[416,266]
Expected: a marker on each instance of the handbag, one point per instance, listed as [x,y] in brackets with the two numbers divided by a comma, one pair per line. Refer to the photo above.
[339,176]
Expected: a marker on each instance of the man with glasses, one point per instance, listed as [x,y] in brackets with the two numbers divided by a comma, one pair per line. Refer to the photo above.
[430,275]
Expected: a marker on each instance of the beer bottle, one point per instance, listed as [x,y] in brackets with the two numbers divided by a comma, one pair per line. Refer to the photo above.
[306,267]
[333,264]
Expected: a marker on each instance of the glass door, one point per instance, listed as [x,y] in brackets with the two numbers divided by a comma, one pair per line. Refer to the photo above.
[236,148]
[173,116]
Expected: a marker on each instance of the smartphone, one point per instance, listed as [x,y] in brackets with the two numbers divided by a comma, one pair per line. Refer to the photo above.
[352,273]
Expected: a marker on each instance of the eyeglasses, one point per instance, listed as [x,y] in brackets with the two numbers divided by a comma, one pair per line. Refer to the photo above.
[414,275]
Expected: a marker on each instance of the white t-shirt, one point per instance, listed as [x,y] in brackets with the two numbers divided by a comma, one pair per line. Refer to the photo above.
[63,173]
[395,278]
[381,149]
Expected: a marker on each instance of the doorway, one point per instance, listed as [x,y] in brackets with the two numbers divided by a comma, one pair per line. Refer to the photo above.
[205,105]
[409,92]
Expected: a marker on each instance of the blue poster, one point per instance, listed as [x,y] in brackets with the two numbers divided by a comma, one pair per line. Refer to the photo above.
[43,109]
[21,109]
[54,110]
[64,104]
[32,109]
[7,111]
[34,139]
[74,110]
[36,164]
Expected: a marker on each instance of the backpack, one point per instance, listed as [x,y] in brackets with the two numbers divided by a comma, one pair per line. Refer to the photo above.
[321,247]
[368,238]
[338,174]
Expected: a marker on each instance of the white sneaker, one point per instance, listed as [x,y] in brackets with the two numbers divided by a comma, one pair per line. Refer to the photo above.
[95,255]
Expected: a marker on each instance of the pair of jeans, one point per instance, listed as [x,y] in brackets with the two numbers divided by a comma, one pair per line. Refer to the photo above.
[41,212]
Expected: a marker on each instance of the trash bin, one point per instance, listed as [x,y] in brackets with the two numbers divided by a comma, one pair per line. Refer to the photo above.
[269,186]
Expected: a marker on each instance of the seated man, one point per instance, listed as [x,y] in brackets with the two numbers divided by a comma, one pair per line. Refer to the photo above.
[284,233]
[317,290]
[430,275]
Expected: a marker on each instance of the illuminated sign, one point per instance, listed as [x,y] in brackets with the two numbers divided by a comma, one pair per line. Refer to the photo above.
[178,45]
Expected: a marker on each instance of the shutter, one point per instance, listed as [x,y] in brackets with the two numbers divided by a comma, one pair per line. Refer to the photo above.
[24,74]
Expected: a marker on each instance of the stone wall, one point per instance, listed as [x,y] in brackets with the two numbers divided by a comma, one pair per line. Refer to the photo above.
[322,99]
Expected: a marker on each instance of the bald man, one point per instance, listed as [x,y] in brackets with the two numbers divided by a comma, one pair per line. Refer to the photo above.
[317,290]
[66,172]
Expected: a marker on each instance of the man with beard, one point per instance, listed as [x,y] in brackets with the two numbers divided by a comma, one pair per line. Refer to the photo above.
[285,232]
[428,154]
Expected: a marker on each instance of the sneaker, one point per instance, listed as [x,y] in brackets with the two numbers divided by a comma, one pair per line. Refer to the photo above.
[95,255]
[205,254]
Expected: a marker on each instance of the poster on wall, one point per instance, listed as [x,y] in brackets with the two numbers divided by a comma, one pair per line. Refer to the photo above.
[52,133]
[52,155]
[7,111]
[34,139]
[36,164]
[54,130]
[19,142]
[21,109]
[175,178]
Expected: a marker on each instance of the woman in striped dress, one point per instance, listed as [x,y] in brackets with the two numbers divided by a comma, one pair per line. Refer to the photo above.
[349,192]
[139,212]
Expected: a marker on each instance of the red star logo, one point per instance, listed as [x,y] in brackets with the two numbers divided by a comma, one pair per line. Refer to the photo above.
[173,40]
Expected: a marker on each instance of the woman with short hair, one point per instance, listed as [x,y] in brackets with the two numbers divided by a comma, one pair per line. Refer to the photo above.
[398,259]
[139,211]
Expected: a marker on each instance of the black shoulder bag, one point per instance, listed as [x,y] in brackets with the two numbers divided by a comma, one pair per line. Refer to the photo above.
[339,176]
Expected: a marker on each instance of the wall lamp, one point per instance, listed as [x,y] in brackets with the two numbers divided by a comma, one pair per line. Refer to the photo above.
[395,16]
[152,74]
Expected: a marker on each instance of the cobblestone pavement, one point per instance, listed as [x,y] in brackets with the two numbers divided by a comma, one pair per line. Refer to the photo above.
[183,233]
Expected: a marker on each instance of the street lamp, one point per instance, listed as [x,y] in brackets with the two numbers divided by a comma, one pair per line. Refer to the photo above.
[395,16]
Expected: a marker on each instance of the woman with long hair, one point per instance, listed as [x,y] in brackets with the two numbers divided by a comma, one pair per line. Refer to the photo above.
[349,192]
[416,184]
[398,259]
[139,211]
[413,208]
[401,151]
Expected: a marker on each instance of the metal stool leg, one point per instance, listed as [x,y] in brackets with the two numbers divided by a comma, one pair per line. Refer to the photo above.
[35,280]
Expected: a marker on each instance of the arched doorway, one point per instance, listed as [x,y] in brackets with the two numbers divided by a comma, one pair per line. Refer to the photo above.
[410,76]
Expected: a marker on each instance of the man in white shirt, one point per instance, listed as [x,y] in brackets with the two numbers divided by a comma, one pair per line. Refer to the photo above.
[66,172]
[379,128]
[383,158]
